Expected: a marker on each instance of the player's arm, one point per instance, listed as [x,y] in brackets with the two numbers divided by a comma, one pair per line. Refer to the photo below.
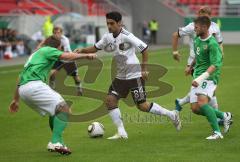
[40,45]
[182,31]
[196,82]
[14,106]
[70,56]
[91,49]
[144,64]
[176,54]
[101,44]
[189,68]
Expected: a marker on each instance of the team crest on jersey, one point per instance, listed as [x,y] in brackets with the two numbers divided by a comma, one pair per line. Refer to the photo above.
[125,46]
[205,47]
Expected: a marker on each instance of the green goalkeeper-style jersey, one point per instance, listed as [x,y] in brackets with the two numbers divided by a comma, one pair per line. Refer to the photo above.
[39,65]
[207,53]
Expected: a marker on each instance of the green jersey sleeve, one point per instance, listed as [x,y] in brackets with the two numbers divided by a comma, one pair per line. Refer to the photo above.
[215,55]
[53,54]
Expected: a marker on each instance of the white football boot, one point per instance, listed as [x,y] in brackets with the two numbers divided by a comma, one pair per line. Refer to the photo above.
[58,147]
[177,122]
[227,121]
[215,136]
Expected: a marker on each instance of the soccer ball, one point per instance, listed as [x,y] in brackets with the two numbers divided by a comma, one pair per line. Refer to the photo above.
[95,130]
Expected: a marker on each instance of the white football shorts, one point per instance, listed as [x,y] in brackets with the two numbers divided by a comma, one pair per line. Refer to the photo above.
[206,88]
[40,97]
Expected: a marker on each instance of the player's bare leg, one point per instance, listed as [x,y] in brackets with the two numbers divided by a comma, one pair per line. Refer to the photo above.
[78,85]
[154,108]
[115,114]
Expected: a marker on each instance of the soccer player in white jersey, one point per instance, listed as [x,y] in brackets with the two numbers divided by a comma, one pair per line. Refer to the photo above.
[189,31]
[130,73]
[69,66]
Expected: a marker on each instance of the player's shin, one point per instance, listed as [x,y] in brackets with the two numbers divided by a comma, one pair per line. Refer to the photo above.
[59,124]
[208,111]
[78,84]
[184,100]
[218,113]
[115,114]
[50,121]
[159,110]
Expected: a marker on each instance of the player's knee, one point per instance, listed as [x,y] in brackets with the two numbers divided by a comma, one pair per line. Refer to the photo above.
[111,102]
[195,108]
[62,111]
[62,107]
[143,106]
[202,100]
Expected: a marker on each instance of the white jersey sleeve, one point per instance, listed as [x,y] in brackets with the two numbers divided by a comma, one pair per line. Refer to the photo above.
[186,30]
[218,35]
[102,43]
[137,43]
[66,44]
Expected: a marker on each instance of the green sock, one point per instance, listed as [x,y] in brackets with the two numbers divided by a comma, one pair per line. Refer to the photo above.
[59,124]
[51,118]
[210,114]
[218,113]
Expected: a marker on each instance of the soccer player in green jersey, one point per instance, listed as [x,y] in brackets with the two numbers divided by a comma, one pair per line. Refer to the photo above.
[208,62]
[34,91]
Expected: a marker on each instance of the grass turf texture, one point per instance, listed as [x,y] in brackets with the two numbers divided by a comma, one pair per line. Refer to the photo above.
[24,135]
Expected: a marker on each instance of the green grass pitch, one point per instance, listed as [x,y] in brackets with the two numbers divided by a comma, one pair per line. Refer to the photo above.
[24,135]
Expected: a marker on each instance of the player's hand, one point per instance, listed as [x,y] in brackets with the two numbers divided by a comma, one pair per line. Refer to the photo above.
[91,56]
[145,75]
[188,70]
[176,56]
[77,50]
[14,106]
[195,84]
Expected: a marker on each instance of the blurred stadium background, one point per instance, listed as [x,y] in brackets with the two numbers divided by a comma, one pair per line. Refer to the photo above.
[23,23]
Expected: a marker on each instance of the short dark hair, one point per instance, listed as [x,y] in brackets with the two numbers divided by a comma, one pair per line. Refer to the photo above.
[203,20]
[52,41]
[116,16]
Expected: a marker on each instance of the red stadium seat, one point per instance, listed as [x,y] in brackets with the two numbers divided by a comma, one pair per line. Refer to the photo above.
[7,6]
[193,2]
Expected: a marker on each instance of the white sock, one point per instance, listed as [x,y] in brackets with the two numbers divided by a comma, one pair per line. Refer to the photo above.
[213,102]
[184,100]
[157,109]
[117,120]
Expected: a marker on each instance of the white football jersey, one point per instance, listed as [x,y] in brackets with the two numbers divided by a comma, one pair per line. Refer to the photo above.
[124,48]
[189,31]
[65,44]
